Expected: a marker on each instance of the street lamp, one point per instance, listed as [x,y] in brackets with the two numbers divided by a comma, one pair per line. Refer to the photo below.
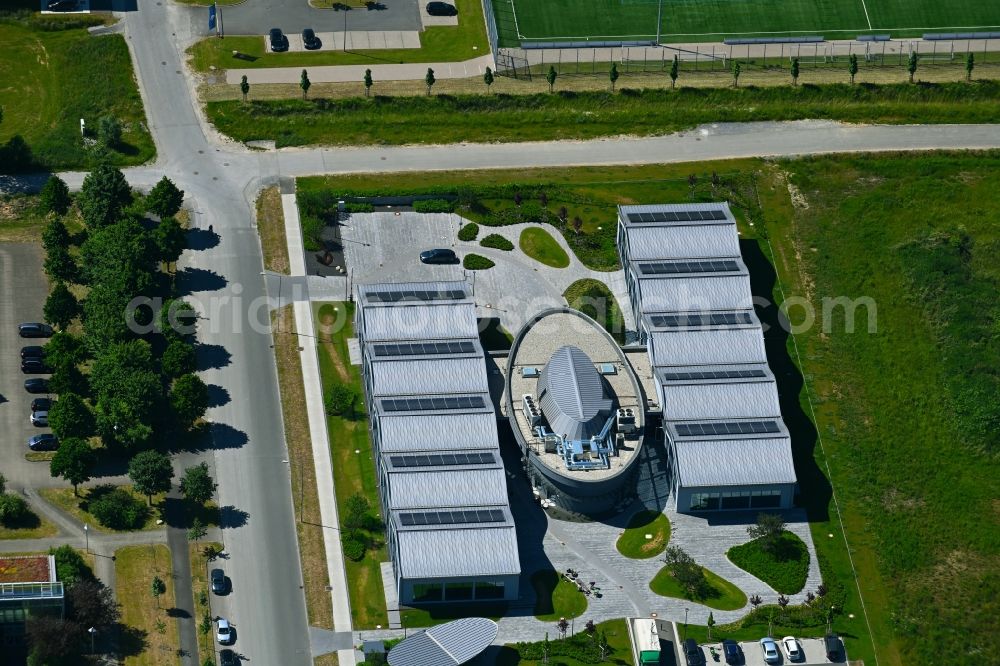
[86,534]
[93,632]
[685,623]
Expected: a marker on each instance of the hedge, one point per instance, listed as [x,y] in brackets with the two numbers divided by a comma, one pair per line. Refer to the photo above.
[476,262]
[468,232]
[497,242]
[433,206]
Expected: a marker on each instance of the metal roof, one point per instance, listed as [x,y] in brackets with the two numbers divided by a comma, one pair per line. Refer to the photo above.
[703,347]
[693,241]
[390,293]
[713,373]
[438,432]
[694,294]
[409,321]
[735,462]
[714,429]
[750,399]
[444,553]
[428,375]
[448,644]
[441,487]
[572,396]
[673,322]
[633,214]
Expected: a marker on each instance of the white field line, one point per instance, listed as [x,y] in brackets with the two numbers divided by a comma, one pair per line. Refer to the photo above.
[514,12]
[776,32]
[865,7]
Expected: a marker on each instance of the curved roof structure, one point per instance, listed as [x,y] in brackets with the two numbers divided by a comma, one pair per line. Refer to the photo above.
[448,644]
[572,395]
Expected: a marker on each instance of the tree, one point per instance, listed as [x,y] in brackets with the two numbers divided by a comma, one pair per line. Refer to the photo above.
[117,508]
[103,195]
[304,83]
[197,484]
[970,64]
[563,213]
[61,306]
[109,131]
[67,379]
[178,358]
[783,601]
[755,601]
[103,318]
[151,473]
[795,71]
[340,399]
[13,509]
[120,256]
[675,69]
[73,461]
[911,65]
[189,398]
[170,240]
[767,530]
[710,624]
[70,417]
[53,640]
[736,73]
[488,79]
[92,604]
[64,348]
[563,626]
[244,88]
[55,235]
[590,628]
[551,77]
[54,197]
[165,199]
[158,587]
[686,571]
[3,484]
[60,265]
[429,80]
[577,224]
[357,511]
[852,67]
[613,75]
[369,82]
[197,530]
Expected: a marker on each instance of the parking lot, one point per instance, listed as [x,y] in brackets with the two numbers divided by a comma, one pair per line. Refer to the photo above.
[812,648]
[256,17]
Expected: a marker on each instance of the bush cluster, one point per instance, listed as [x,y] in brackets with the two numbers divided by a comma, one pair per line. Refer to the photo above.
[582,647]
[433,206]
[477,262]
[354,548]
[469,232]
[117,509]
[359,207]
[497,242]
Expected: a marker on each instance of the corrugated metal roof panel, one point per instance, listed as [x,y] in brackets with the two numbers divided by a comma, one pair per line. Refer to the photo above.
[735,462]
[695,241]
[454,642]
[571,394]
[405,321]
[481,551]
[443,488]
[707,346]
[438,432]
[429,375]
[720,401]
[695,294]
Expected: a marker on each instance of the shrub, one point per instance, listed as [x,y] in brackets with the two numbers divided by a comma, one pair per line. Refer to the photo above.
[477,262]
[469,232]
[13,509]
[433,206]
[354,548]
[785,568]
[340,400]
[359,207]
[70,567]
[118,509]
[497,242]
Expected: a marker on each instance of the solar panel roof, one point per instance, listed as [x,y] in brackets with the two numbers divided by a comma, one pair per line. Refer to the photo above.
[396,295]
[443,459]
[424,348]
[454,517]
[711,374]
[726,428]
[681,267]
[435,404]
[677,216]
[701,319]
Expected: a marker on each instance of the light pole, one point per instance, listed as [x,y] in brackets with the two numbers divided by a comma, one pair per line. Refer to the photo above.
[86,535]
[685,623]
[93,632]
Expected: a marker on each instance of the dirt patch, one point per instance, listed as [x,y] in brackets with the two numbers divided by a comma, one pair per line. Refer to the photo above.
[326,322]
[893,500]
[653,545]
[271,227]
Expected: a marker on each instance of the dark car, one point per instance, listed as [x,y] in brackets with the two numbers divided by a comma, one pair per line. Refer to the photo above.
[228,658]
[32,351]
[42,404]
[731,651]
[693,653]
[36,385]
[441,9]
[279,42]
[44,442]
[218,581]
[34,330]
[439,256]
[834,647]
[34,366]
[310,40]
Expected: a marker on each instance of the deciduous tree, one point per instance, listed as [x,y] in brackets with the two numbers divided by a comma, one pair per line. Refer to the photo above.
[911,65]
[767,531]
[73,461]
[189,399]
[103,195]
[158,587]
[737,69]
[244,87]
[970,64]
[369,82]
[61,306]
[488,79]
[178,358]
[304,83]
[795,71]
[170,240]
[197,484]
[852,67]
[70,417]
[151,473]
[613,75]
[165,199]
[109,131]
[551,77]
[54,197]
[429,80]
[675,69]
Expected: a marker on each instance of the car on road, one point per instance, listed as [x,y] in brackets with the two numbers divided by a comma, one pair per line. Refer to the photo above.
[228,658]
[834,647]
[792,648]
[32,351]
[44,442]
[770,650]
[439,256]
[441,9]
[279,42]
[310,40]
[40,419]
[34,366]
[224,632]
[218,578]
[42,404]
[693,653]
[34,330]
[731,651]
[36,385]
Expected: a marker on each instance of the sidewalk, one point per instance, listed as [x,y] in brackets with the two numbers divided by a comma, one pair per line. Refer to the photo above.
[356,73]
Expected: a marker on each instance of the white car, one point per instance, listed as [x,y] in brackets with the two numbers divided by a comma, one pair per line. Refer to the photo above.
[770,650]
[224,634]
[792,648]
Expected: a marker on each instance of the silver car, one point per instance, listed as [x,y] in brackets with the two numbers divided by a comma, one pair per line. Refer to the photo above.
[770,650]
[40,419]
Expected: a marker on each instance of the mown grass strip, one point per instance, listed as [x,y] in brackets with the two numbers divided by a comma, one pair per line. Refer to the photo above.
[151,636]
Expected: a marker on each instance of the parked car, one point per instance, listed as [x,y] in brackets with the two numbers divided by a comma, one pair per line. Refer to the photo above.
[40,419]
[228,658]
[42,404]
[693,653]
[224,632]
[36,385]
[44,442]
[439,256]
[310,40]
[441,9]
[834,647]
[792,648]
[731,651]
[34,366]
[279,42]
[218,578]
[32,351]
[34,330]
[770,650]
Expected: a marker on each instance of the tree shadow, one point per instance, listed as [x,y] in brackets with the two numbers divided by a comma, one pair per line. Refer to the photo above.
[225,436]
[201,239]
[217,396]
[178,612]
[191,280]
[211,357]
[180,513]
[230,517]
[132,641]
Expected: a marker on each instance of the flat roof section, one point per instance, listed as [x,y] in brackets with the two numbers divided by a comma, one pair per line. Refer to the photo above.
[735,462]
[437,432]
[435,321]
[687,347]
[395,293]
[442,488]
[449,552]
[690,402]
[449,644]
[695,294]
[671,214]
[421,376]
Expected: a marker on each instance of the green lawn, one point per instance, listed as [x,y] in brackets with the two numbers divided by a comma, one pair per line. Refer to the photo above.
[721,594]
[353,464]
[594,299]
[431,614]
[585,115]
[76,506]
[465,41]
[52,79]
[708,20]
[539,244]
[633,542]
[152,639]
[785,568]
[556,597]
[576,650]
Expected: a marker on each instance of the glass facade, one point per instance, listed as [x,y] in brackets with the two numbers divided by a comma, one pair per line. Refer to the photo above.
[489,589]
[423,592]
[460,591]
[735,499]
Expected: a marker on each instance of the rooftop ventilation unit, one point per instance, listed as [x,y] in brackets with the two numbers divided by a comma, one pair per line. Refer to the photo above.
[625,420]
[608,369]
[531,411]
[531,373]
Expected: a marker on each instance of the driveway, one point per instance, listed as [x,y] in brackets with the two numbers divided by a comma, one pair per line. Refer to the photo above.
[256,17]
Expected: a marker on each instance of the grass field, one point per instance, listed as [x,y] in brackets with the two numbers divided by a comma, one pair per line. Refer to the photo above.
[539,244]
[633,542]
[720,594]
[709,20]
[151,636]
[785,569]
[556,597]
[594,299]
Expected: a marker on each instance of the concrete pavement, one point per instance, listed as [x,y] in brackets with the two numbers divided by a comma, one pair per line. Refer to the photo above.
[356,73]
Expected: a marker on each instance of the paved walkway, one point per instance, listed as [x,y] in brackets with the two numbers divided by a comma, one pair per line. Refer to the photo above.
[356,73]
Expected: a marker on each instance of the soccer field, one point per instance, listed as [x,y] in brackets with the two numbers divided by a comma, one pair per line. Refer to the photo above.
[711,20]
